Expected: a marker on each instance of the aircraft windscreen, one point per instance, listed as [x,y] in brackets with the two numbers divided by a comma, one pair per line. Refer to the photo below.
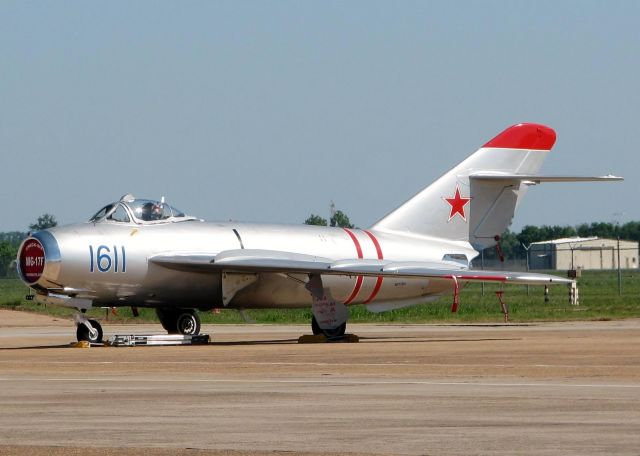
[101,213]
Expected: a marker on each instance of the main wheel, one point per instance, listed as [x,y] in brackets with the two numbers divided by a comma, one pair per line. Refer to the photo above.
[315,327]
[329,333]
[168,320]
[188,323]
[94,337]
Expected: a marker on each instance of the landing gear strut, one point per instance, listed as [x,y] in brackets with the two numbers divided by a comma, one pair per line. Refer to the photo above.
[89,330]
[179,321]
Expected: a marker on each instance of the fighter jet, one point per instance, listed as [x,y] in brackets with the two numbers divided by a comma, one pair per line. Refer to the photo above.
[145,253]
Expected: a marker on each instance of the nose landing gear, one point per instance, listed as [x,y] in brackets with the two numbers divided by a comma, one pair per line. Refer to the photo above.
[89,330]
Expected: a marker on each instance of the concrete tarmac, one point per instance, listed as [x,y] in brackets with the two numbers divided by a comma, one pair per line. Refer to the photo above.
[544,388]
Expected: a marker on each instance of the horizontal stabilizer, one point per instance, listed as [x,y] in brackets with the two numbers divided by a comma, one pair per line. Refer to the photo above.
[537,179]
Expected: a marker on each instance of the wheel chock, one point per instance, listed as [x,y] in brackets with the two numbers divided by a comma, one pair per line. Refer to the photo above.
[81,344]
[321,339]
[312,339]
[351,338]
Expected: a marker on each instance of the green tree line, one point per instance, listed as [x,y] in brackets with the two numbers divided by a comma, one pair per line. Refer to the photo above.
[339,219]
[9,243]
[514,245]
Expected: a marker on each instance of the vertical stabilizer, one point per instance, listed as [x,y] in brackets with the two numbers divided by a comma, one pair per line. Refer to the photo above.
[458,207]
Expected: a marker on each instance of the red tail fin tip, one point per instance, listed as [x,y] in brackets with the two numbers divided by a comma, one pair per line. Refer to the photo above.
[525,136]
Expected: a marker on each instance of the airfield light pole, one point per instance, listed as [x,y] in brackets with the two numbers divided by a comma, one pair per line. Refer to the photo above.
[572,267]
[482,267]
[526,249]
[619,271]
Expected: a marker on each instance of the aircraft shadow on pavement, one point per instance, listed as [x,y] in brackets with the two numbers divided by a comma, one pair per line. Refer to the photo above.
[239,343]
[224,343]
[35,347]
[410,339]
[370,339]
[254,342]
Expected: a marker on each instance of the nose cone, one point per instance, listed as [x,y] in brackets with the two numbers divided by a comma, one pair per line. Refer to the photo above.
[37,257]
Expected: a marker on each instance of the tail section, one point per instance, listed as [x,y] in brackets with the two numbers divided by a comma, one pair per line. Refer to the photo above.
[476,200]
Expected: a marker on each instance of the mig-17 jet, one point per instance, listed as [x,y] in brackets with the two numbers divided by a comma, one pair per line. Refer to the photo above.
[146,253]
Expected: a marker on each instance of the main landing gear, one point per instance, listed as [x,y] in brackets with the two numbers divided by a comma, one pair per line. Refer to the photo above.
[329,333]
[179,321]
[329,316]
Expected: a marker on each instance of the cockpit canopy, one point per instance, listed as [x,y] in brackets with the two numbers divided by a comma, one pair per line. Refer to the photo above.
[140,211]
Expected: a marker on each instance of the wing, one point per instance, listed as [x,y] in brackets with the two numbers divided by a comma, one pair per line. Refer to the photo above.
[257,261]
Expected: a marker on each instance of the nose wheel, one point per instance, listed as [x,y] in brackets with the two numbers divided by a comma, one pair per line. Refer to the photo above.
[89,330]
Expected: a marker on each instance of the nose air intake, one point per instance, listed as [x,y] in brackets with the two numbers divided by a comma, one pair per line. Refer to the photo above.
[37,254]
[31,261]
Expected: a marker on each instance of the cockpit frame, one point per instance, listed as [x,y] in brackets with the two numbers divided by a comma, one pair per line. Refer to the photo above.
[138,211]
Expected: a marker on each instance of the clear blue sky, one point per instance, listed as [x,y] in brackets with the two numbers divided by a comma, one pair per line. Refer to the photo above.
[266,111]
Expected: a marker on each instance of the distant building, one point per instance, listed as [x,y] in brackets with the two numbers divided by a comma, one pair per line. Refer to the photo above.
[583,253]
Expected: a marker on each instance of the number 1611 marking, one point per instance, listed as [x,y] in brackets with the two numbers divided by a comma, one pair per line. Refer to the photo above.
[106,258]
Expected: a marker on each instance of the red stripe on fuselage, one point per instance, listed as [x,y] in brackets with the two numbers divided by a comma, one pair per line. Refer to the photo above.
[378,285]
[355,291]
[355,241]
[376,243]
[358,285]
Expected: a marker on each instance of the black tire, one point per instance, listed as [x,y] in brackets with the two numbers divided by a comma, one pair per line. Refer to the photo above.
[329,333]
[188,323]
[315,327]
[83,333]
[168,319]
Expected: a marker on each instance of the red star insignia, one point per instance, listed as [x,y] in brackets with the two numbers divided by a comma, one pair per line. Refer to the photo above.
[457,205]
